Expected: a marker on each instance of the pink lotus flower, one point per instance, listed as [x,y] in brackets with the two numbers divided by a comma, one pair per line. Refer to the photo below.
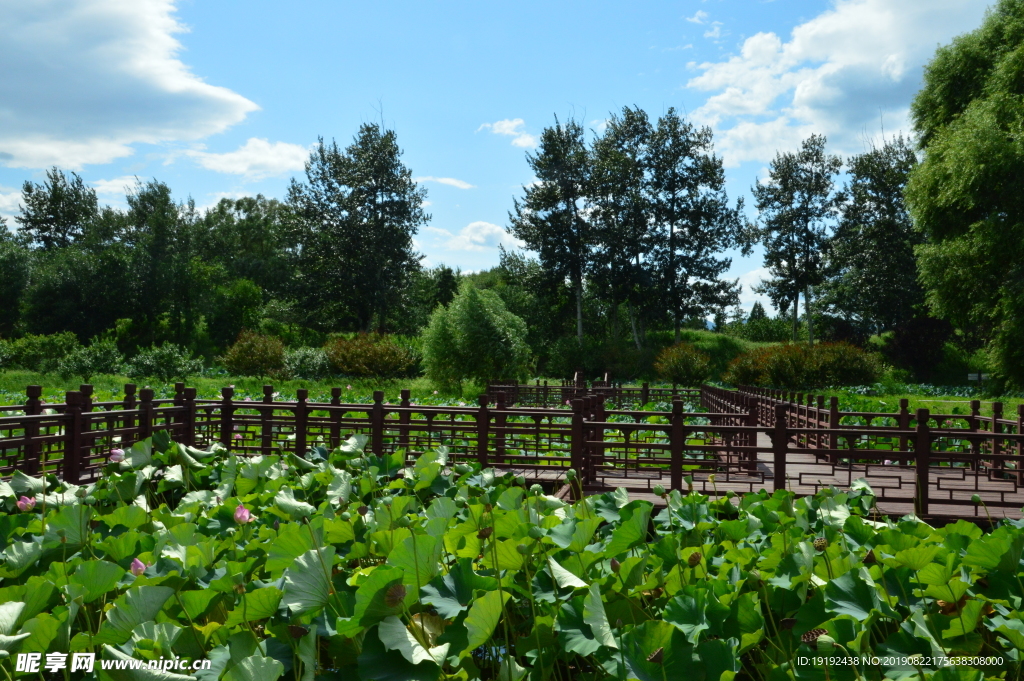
[348,387]
[238,436]
[242,515]
[116,456]
[888,462]
[248,399]
[25,504]
[137,567]
[567,401]
[435,392]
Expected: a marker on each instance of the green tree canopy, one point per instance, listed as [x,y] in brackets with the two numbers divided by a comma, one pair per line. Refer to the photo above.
[871,268]
[356,215]
[56,213]
[966,195]
[475,338]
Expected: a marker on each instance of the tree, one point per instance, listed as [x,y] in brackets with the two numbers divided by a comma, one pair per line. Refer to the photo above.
[248,237]
[55,213]
[693,222]
[15,269]
[622,215]
[551,218]
[475,338]
[757,312]
[356,215]
[966,196]
[871,268]
[795,206]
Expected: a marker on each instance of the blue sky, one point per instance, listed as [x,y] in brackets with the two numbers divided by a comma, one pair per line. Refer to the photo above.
[225,98]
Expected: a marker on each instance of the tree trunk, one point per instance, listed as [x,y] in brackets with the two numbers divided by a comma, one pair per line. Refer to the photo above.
[796,317]
[632,323]
[807,312]
[579,312]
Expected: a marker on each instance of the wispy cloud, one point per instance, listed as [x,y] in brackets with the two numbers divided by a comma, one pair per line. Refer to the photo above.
[715,31]
[450,181]
[512,127]
[698,18]
[115,187]
[10,201]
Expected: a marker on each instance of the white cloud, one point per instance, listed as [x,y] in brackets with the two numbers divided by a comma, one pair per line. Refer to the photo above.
[480,236]
[256,159]
[115,187]
[450,181]
[747,296]
[512,127]
[10,203]
[85,80]
[715,31]
[836,75]
[698,18]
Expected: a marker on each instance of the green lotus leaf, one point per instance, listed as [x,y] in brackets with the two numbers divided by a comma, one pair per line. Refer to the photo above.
[307,584]
[255,668]
[138,605]
[259,604]
[452,593]
[641,648]
[98,577]
[377,663]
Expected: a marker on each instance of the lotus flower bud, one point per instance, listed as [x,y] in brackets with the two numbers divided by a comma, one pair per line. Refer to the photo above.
[386,501]
[536,490]
[116,456]
[404,521]
[615,565]
[242,515]
[711,478]
[825,643]
[694,559]
[25,504]
[523,549]
[137,567]
[659,490]
[976,498]
[618,623]
[570,474]
[346,515]
[535,532]
[521,480]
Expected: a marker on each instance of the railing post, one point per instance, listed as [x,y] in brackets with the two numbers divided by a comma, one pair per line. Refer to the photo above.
[190,417]
[833,426]
[576,436]
[904,424]
[73,437]
[178,419]
[676,442]
[483,422]
[1020,442]
[227,417]
[499,429]
[972,425]
[751,439]
[266,414]
[129,404]
[404,419]
[301,419]
[645,394]
[377,423]
[922,449]
[335,417]
[997,429]
[780,444]
[33,407]
[145,413]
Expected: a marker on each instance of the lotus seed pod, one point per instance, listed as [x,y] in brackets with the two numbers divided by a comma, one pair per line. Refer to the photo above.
[869,557]
[346,516]
[485,532]
[694,559]
[521,480]
[394,596]
[536,490]
[820,544]
[386,501]
[825,643]
[976,498]
[570,474]
[535,532]
[362,510]
[523,549]
[657,656]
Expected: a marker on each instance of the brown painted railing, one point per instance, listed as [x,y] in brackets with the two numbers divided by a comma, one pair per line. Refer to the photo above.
[742,440]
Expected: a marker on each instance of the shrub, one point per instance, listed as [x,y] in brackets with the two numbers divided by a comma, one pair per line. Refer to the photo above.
[308,363]
[164,363]
[684,364]
[476,338]
[369,355]
[6,354]
[101,357]
[254,354]
[800,366]
[42,353]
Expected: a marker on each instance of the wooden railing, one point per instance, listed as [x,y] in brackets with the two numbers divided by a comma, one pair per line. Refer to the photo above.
[712,440]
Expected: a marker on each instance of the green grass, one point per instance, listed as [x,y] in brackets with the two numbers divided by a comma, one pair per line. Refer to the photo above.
[13,383]
[943,404]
